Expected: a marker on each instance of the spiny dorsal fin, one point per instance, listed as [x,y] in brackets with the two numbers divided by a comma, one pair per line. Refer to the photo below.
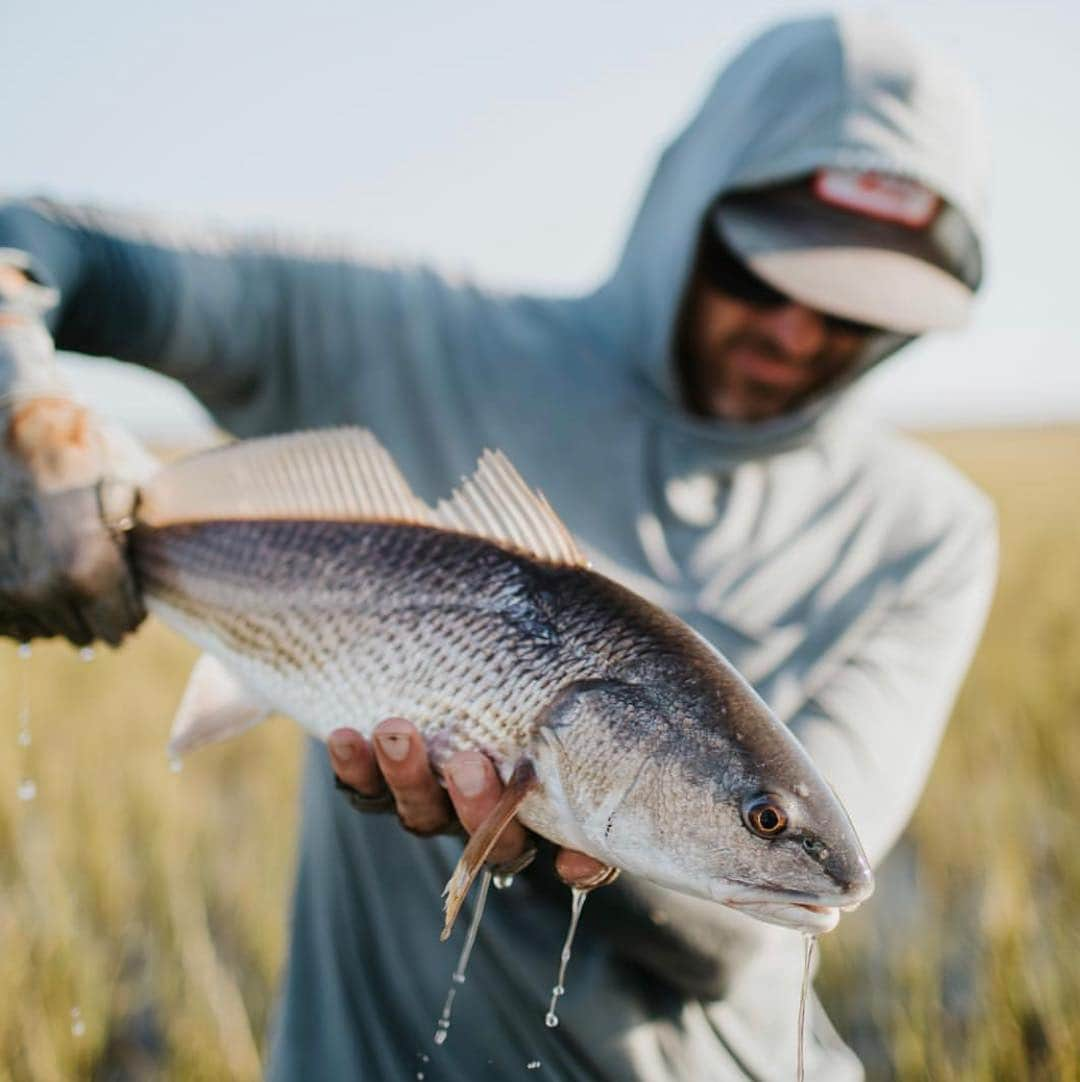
[497,504]
[333,473]
[345,474]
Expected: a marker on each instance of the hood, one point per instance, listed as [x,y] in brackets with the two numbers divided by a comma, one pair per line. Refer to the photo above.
[848,91]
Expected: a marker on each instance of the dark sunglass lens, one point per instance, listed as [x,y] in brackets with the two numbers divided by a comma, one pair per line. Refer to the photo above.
[850,326]
[725,272]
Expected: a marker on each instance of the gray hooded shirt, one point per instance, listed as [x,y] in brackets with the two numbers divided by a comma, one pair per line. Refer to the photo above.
[845,571]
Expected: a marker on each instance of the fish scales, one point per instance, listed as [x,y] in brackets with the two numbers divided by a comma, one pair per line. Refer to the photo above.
[342,623]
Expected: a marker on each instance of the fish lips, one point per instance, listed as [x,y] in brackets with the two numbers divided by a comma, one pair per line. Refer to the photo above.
[813,914]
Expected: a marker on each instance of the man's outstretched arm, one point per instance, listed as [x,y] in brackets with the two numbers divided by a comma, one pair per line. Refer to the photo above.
[270,334]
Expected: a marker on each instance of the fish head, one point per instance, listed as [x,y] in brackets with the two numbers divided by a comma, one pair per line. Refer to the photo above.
[708,794]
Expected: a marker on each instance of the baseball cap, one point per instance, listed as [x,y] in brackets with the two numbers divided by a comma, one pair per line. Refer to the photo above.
[878,249]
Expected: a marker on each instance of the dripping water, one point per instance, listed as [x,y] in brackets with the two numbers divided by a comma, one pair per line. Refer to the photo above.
[78,1026]
[502,881]
[458,977]
[577,901]
[86,654]
[800,1053]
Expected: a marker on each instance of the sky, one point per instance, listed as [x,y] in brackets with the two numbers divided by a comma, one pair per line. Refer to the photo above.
[512,143]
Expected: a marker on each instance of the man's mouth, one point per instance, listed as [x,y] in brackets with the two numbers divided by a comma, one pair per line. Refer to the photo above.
[768,372]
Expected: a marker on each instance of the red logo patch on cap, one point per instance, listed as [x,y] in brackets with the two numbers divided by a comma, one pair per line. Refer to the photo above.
[877,195]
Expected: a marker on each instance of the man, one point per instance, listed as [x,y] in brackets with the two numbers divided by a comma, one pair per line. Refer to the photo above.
[687,421]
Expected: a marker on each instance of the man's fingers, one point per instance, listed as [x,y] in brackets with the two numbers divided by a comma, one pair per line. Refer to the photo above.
[354,762]
[579,870]
[402,757]
[397,759]
[475,789]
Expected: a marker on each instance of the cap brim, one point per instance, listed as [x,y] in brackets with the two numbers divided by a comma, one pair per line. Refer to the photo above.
[885,289]
[846,265]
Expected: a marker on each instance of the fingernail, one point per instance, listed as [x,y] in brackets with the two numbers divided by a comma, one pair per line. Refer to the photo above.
[394,745]
[468,777]
[341,748]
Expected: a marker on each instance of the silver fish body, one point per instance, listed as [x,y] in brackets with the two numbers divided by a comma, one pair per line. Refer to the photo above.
[652,753]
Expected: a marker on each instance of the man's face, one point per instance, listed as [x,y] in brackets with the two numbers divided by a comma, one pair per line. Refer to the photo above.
[746,362]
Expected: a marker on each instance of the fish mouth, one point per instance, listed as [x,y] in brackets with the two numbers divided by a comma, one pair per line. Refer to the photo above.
[809,913]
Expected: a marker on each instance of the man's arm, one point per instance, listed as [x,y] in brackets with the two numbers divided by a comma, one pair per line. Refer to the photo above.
[269,335]
[874,723]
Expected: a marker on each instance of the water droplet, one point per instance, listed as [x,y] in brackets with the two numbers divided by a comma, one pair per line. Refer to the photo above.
[86,654]
[808,954]
[419,1076]
[24,738]
[577,903]
[24,651]
[176,765]
[424,1057]
[503,882]
[458,976]
[27,789]
[78,1026]
[532,1065]
[802,789]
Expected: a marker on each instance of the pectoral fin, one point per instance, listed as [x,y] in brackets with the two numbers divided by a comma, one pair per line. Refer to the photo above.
[522,782]
[215,706]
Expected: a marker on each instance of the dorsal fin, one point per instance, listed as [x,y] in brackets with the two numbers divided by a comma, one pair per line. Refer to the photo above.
[497,504]
[345,474]
[333,473]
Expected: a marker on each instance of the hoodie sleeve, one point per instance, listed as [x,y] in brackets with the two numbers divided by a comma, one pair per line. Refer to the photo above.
[874,725]
[269,335]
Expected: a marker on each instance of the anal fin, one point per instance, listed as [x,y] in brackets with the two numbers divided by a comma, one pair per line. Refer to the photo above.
[215,706]
[522,782]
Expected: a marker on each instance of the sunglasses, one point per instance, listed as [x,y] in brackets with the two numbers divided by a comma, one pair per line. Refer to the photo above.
[725,272]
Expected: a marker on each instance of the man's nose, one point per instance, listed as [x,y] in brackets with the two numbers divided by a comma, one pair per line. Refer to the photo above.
[798,329]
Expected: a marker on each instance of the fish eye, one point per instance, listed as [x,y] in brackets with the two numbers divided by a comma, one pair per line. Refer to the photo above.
[765,817]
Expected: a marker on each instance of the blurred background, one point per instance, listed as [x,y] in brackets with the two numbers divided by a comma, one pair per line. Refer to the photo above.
[142,911]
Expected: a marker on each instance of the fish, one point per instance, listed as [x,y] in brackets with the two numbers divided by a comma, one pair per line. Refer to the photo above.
[319,586]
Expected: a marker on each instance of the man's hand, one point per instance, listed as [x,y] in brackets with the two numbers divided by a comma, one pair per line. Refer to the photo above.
[395,764]
[62,570]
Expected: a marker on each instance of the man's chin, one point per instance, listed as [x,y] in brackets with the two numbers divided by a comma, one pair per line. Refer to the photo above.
[744,409]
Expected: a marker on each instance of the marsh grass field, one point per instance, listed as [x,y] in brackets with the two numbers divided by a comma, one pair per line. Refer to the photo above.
[142,912]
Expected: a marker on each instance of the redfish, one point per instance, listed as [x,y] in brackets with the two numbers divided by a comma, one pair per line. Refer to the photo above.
[321,587]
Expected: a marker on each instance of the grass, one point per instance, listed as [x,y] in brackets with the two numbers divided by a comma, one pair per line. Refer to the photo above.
[154,903]
[967,965]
